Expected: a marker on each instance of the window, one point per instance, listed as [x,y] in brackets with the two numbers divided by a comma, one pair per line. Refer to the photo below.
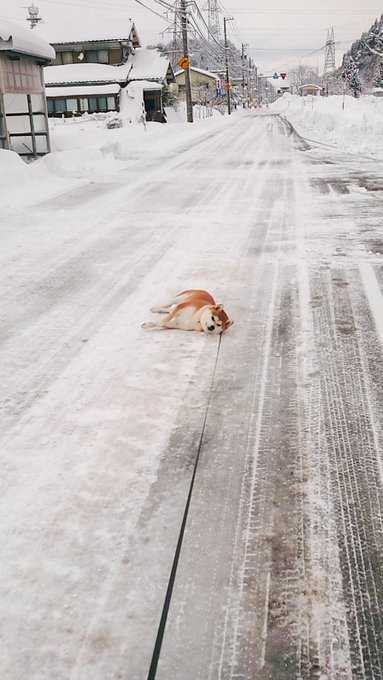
[67,57]
[103,57]
[71,105]
[92,103]
[60,105]
[97,56]
[84,105]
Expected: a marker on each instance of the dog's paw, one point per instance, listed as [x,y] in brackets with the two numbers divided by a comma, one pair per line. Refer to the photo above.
[159,310]
[149,324]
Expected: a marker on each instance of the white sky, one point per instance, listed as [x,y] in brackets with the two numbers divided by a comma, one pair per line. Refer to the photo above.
[279,33]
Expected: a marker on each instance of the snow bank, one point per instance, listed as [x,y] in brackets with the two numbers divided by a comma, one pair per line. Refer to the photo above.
[357,127]
[85,150]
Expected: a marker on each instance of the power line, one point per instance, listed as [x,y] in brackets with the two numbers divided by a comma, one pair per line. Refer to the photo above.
[153,11]
[210,34]
[301,11]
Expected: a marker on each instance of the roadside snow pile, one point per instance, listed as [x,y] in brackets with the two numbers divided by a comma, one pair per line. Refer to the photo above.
[356,128]
[85,150]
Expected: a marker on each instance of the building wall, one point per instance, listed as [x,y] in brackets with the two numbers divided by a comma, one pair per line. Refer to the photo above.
[70,106]
[96,53]
[24,122]
[203,86]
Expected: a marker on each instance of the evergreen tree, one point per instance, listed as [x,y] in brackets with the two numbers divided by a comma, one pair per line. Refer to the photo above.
[378,74]
[351,74]
[367,55]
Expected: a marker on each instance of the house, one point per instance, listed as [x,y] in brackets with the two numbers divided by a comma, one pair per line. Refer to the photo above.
[310,89]
[204,84]
[107,42]
[375,91]
[94,65]
[74,89]
[150,72]
[23,113]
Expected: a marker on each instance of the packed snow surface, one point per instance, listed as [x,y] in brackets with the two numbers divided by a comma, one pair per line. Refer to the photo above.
[350,124]
[280,571]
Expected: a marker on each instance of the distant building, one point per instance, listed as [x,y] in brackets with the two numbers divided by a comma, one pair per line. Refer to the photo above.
[204,84]
[23,113]
[375,91]
[310,89]
[95,63]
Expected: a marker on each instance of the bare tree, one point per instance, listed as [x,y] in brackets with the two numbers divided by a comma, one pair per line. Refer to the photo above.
[302,75]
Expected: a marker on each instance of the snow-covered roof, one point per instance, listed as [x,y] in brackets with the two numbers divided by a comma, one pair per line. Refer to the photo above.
[317,87]
[198,70]
[144,85]
[82,90]
[279,84]
[88,31]
[147,65]
[85,73]
[14,38]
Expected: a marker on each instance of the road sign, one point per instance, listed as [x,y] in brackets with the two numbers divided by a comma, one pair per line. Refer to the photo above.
[184,62]
[228,86]
[276,75]
[283,75]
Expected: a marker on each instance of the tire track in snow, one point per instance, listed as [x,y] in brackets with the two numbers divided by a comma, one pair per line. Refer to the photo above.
[244,534]
[354,477]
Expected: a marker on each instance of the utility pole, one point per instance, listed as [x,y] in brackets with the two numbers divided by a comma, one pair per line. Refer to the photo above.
[188,92]
[252,83]
[228,86]
[244,71]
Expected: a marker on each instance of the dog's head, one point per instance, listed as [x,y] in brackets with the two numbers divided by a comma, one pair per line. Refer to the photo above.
[215,320]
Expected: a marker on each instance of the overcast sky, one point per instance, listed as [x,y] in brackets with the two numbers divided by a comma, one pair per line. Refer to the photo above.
[279,34]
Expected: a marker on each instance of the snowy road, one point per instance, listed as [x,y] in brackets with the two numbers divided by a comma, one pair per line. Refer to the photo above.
[280,575]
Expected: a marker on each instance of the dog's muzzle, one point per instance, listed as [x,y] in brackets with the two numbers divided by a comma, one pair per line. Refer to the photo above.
[211,329]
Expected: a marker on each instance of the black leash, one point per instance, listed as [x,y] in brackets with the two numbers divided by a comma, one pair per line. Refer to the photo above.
[169,591]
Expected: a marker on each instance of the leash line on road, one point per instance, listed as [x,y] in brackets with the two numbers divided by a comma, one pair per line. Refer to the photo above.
[169,591]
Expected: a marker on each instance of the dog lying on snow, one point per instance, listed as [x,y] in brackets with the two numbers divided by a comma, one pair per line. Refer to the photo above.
[193,310]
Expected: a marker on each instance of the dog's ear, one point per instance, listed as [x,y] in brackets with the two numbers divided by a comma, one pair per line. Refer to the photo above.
[229,323]
[219,308]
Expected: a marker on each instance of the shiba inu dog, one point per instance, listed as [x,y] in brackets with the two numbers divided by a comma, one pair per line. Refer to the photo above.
[192,310]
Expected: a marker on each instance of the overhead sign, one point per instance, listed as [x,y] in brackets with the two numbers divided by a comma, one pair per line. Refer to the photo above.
[283,75]
[184,62]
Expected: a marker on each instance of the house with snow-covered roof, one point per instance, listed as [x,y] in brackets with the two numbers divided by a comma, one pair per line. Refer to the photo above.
[94,64]
[204,84]
[73,89]
[310,89]
[150,72]
[23,112]
[105,42]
